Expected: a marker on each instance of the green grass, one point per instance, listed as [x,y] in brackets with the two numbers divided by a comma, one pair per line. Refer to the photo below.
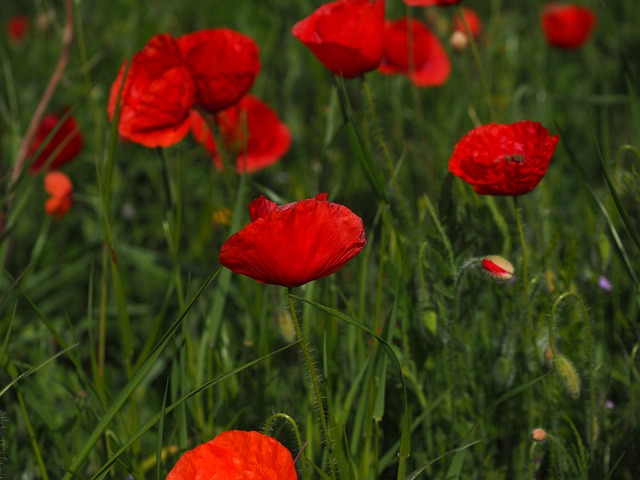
[122,341]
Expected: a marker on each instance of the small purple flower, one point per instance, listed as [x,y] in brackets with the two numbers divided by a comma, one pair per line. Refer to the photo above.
[604,284]
[609,405]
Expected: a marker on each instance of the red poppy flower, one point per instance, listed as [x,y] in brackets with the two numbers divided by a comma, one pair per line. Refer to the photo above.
[157,95]
[224,65]
[17,26]
[567,26]
[429,3]
[346,35]
[249,128]
[473,22]
[293,244]
[64,145]
[503,159]
[58,185]
[236,454]
[430,65]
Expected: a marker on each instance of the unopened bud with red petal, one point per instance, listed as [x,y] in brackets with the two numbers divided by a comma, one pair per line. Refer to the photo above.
[497,267]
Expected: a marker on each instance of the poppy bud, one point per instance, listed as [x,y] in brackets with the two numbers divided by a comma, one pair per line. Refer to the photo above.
[458,41]
[538,435]
[568,375]
[496,267]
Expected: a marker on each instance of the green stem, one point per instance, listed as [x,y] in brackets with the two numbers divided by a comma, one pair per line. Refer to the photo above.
[404,207]
[525,275]
[315,382]
[296,431]
[587,322]
[476,58]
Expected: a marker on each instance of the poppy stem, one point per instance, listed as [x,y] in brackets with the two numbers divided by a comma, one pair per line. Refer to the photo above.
[525,276]
[476,58]
[587,322]
[315,381]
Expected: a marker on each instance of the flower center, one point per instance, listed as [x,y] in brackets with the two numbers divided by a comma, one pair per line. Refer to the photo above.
[517,157]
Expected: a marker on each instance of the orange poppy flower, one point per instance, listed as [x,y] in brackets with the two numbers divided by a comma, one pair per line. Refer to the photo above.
[58,185]
[236,455]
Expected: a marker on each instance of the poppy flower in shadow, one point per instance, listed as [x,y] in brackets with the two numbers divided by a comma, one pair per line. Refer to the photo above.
[223,63]
[249,129]
[293,244]
[157,95]
[346,35]
[58,185]
[503,159]
[567,26]
[17,26]
[236,454]
[473,22]
[62,141]
[430,3]
[428,66]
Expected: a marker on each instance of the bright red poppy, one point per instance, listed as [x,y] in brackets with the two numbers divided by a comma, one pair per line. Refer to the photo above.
[293,244]
[567,26]
[236,454]
[473,22]
[64,145]
[223,63]
[346,35]
[503,159]
[429,3]
[430,65]
[17,26]
[157,95]
[58,185]
[250,129]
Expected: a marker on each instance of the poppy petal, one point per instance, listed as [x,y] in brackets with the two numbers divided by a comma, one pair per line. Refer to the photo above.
[503,159]
[224,64]
[346,35]
[296,243]
[236,454]
[157,96]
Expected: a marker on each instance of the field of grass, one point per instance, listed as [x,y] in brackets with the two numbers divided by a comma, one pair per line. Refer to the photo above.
[124,343]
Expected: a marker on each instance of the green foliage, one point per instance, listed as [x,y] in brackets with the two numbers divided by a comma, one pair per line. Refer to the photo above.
[124,343]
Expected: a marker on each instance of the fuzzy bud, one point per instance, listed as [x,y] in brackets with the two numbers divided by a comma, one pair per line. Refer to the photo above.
[568,375]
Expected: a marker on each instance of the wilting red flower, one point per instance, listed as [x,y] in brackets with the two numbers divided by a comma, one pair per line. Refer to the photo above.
[499,159]
[58,185]
[346,35]
[430,65]
[236,454]
[497,267]
[157,95]
[567,26]
[224,65]
[473,22]
[429,3]
[293,244]
[250,129]
[64,145]
[17,26]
